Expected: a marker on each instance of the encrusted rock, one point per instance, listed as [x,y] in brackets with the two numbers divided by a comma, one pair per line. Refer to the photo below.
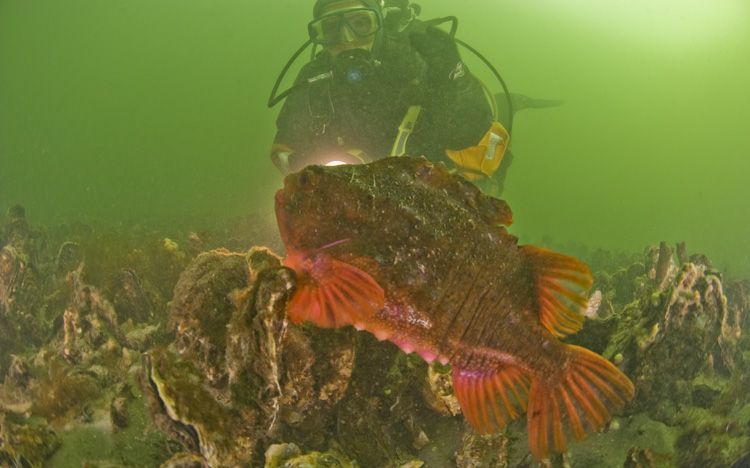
[256,334]
[69,257]
[90,323]
[196,418]
[12,269]
[438,390]
[202,307]
[661,267]
[25,444]
[317,367]
[276,377]
[63,392]
[118,412]
[290,456]
[489,451]
[669,337]
[130,299]
[185,460]
[15,396]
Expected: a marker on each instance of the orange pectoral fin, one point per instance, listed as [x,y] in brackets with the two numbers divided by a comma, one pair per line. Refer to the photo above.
[331,293]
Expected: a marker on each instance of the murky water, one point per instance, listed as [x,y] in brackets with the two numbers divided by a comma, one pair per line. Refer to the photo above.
[124,125]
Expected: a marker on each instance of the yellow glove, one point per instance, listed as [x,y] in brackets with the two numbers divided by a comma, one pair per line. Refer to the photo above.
[482,160]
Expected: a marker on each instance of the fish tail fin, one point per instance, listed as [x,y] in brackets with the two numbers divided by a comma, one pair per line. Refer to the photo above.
[491,399]
[581,400]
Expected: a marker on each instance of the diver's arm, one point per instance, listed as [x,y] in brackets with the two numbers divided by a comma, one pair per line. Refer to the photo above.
[291,133]
[293,126]
[461,114]
[461,117]
[474,143]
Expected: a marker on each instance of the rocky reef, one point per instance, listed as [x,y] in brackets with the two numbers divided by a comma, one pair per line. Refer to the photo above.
[150,348]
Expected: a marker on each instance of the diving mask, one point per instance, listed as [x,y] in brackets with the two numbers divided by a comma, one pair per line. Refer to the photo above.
[334,27]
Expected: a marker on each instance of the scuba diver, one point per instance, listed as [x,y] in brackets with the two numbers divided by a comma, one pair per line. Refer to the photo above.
[386,84]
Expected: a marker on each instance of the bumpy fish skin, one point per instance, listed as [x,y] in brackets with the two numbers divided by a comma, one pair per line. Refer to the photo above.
[425,235]
[456,287]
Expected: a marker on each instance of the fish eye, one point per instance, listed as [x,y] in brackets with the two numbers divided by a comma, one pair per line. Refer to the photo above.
[423,170]
[304,179]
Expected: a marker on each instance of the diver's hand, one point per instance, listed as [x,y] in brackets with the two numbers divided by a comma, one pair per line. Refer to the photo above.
[439,51]
[281,161]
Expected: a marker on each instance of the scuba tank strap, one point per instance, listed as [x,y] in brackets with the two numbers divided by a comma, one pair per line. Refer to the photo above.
[405,129]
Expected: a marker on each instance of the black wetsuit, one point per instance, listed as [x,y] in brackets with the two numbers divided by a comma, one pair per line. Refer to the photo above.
[332,114]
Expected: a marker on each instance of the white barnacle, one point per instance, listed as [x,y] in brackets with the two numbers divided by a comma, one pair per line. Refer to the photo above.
[593,305]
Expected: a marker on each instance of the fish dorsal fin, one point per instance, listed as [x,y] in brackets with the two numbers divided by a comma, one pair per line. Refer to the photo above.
[494,210]
[562,282]
[331,293]
[491,399]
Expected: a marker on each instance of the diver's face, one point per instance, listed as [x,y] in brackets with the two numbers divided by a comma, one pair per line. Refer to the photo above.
[347,39]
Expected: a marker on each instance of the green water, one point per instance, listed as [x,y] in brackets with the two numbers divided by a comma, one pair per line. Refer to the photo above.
[124,114]
[113,111]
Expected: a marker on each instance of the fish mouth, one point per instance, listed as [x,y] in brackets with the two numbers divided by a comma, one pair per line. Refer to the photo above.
[285,205]
[282,220]
[286,193]
[279,198]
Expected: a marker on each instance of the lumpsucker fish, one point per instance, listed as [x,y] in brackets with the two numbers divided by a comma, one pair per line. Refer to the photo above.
[413,254]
